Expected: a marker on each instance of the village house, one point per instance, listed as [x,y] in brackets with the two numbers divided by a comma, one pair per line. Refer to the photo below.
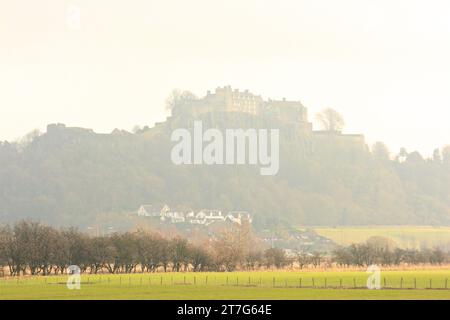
[148,210]
[239,217]
[204,217]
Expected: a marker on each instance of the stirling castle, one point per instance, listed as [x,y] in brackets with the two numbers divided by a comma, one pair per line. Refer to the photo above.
[244,109]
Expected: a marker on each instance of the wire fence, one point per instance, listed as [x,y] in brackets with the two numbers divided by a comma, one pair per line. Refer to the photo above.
[402,283]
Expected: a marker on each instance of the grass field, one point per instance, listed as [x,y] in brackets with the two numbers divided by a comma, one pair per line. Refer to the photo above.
[404,236]
[241,285]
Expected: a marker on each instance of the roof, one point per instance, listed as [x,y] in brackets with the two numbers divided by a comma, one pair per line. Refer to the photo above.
[152,207]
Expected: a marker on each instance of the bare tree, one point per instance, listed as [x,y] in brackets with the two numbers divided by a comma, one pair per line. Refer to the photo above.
[178,99]
[343,256]
[275,257]
[303,259]
[6,243]
[252,259]
[316,259]
[200,258]
[179,253]
[61,256]
[101,253]
[229,248]
[437,256]
[331,120]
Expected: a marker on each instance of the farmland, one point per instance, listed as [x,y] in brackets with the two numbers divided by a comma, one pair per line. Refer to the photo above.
[425,284]
[403,236]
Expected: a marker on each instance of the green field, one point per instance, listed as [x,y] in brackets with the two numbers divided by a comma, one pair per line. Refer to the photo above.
[240,285]
[403,236]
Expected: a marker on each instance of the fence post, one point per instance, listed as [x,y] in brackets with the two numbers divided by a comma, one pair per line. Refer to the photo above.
[401,283]
[415,283]
[140,282]
[273,282]
[340,283]
[300,282]
[184,280]
[248,280]
[285,283]
[237,281]
[227,280]
[354,283]
[206,281]
[120,280]
[313,283]
[384,280]
[430,284]
[325,283]
[161,280]
[446,283]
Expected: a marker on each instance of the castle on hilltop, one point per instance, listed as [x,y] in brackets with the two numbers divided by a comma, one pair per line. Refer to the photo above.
[293,115]
[233,103]
[244,109]
[227,99]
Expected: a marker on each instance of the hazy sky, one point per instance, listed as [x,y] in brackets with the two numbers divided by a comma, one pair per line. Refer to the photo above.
[384,64]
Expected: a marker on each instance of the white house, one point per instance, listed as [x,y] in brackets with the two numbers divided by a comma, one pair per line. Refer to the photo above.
[176,217]
[210,215]
[203,217]
[238,217]
[148,210]
[190,215]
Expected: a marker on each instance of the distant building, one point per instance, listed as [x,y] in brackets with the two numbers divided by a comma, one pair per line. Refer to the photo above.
[292,114]
[207,217]
[148,210]
[174,217]
[204,217]
[227,99]
[239,217]
[288,111]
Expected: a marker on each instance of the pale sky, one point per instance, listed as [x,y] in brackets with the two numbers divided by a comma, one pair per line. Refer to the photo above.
[383,64]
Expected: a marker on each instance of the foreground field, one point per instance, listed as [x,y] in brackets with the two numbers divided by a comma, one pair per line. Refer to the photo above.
[236,285]
[406,237]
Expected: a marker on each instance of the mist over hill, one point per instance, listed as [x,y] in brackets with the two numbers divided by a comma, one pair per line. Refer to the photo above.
[71,176]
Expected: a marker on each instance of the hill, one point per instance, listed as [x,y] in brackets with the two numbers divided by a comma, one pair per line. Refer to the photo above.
[72,176]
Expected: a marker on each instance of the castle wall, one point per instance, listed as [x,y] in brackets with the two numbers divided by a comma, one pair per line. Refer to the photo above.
[355,139]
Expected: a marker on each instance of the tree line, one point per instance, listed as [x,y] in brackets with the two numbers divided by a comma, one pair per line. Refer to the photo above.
[32,248]
[29,247]
[381,251]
